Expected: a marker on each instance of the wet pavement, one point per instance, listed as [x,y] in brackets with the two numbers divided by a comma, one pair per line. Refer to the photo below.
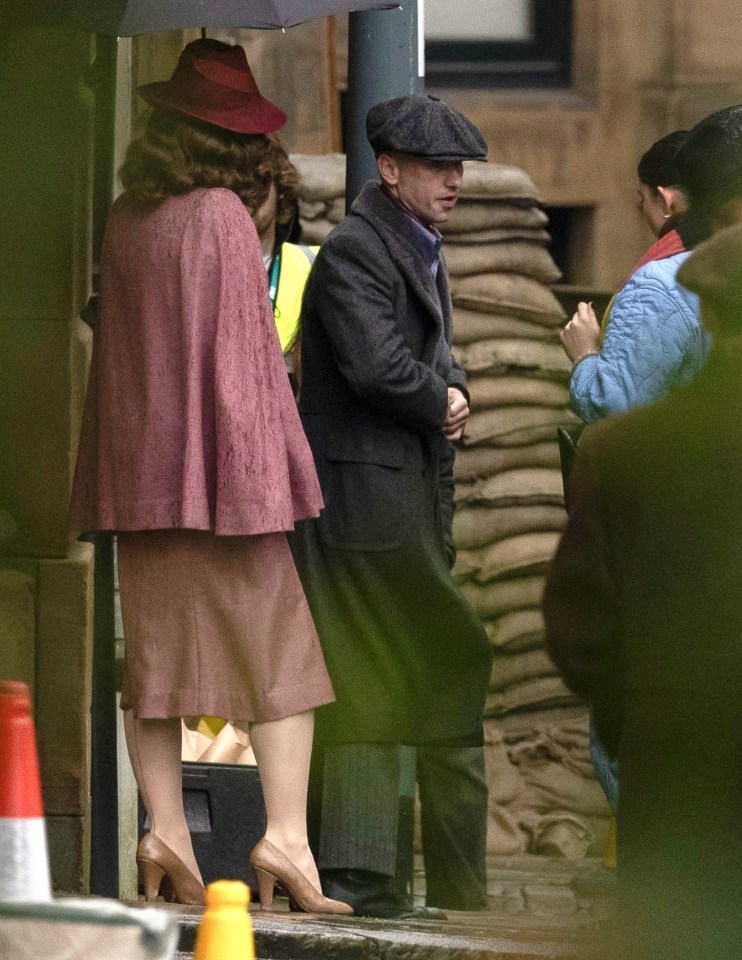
[538,908]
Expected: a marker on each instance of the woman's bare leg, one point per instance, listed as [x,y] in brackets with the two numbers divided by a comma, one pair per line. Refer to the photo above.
[155,752]
[283,750]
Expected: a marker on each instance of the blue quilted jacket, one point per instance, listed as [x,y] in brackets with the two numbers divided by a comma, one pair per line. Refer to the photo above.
[653,342]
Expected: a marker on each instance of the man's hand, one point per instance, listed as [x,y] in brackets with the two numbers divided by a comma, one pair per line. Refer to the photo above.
[458,414]
[581,336]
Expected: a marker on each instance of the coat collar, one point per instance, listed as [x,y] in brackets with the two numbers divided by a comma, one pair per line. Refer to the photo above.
[398,235]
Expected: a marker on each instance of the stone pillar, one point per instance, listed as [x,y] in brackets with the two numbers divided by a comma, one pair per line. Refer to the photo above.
[46,114]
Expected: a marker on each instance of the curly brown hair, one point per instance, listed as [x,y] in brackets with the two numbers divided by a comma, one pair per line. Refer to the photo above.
[175,154]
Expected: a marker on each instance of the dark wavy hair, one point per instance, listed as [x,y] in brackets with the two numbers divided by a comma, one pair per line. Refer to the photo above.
[657,167]
[175,154]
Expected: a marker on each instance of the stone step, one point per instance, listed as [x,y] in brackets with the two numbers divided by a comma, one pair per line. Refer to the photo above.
[539,908]
[467,937]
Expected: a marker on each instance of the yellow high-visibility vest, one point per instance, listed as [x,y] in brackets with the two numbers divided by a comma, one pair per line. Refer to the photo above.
[288,277]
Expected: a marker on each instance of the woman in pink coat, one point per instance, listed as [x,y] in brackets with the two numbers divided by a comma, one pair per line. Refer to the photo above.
[193,454]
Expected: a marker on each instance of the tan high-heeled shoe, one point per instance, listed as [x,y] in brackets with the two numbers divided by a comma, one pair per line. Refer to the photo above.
[164,870]
[271,866]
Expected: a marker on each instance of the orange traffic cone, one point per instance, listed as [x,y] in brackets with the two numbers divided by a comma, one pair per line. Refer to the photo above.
[225,932]
[24,860]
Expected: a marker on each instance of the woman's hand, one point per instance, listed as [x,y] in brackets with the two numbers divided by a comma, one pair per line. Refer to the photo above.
[581,336]
[458,413]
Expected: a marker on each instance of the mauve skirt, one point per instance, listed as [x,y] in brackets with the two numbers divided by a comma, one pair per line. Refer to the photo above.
[217,626]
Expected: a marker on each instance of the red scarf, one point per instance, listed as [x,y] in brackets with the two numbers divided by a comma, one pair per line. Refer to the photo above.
[667,246]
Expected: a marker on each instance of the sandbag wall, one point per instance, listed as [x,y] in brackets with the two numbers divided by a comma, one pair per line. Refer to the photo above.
[510,506]
[322,196]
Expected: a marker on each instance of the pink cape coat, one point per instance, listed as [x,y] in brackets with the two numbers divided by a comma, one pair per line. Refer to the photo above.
[189,420]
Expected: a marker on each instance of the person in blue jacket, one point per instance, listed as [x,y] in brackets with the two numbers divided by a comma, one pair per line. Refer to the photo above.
[652,339]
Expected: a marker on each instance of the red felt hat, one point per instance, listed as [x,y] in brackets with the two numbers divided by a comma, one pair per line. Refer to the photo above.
[213,82]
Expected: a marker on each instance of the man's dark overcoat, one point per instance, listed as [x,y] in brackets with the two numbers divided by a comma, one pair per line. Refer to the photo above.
[643,606]
[408,658]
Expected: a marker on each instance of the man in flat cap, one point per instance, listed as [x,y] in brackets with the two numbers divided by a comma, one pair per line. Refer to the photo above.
[643,613]
[382,399]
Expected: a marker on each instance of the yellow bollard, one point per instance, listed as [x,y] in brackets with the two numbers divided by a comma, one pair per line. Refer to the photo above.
[609,855]
[225,932]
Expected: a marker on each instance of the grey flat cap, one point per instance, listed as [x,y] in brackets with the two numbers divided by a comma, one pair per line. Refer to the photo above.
[425,126]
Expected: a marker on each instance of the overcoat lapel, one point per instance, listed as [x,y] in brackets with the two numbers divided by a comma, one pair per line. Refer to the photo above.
[421,282]
[444,295]
[397,233]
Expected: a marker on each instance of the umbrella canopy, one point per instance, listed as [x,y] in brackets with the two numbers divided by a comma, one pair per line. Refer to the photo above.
[126,18]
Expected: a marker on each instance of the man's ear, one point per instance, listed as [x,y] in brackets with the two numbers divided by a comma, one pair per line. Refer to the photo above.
[388,169]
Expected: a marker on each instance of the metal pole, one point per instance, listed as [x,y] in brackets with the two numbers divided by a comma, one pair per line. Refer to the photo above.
[104,783]
[384,61]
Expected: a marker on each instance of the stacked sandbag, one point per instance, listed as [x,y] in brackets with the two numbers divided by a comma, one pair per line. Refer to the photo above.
[560,807]
[510,504]
[322,193]
[510,510]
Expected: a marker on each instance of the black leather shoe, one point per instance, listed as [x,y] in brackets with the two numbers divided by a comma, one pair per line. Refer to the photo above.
[373,895]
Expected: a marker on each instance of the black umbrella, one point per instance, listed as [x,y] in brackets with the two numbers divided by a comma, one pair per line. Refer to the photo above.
[126,18]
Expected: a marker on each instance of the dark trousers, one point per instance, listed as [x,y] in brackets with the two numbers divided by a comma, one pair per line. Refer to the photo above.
[354,816]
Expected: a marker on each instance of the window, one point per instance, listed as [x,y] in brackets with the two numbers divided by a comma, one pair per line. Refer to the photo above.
[513,43]
[572,232]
